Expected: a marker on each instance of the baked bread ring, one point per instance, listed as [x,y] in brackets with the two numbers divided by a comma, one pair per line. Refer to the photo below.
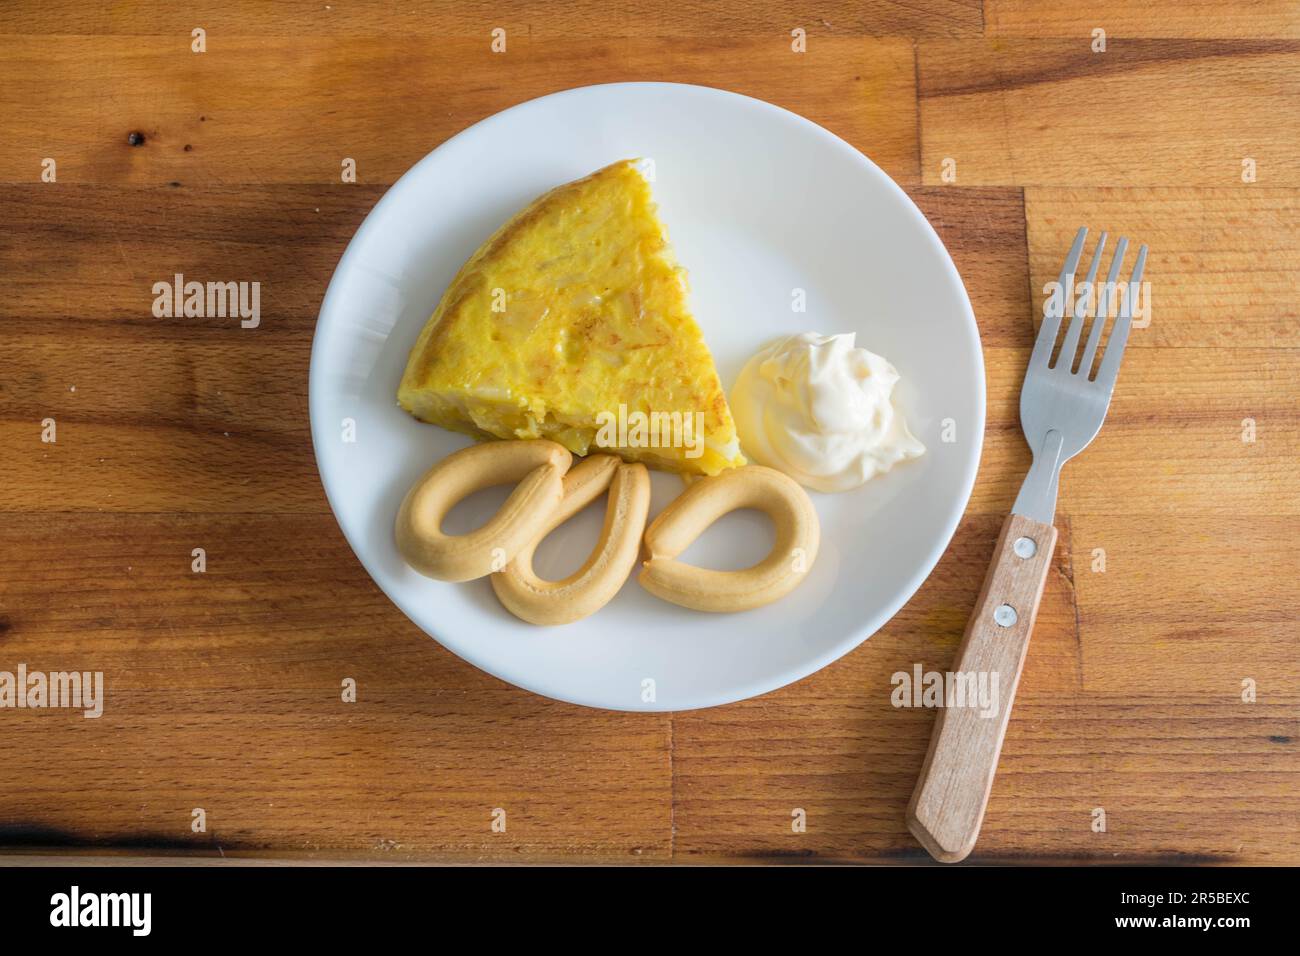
[705,501]
[537,466]
[594,585]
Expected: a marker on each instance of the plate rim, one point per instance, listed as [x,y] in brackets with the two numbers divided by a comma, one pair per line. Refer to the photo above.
[859,635]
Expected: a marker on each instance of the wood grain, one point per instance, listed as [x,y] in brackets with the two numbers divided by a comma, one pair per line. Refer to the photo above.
[1171,19]
[224,687]
[437,19]
[1197,400]
[1220,607]
[162,414]
[1006,457]
[984,232]
[266,109]
[75,255]
[1224,264]
[1143,113]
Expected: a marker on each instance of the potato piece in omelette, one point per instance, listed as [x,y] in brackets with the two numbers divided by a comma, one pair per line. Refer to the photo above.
[571,323]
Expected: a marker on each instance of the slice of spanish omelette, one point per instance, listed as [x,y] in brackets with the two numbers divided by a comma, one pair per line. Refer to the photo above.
[571,323]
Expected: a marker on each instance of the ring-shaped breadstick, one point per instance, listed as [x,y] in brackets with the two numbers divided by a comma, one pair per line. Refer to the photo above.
[537,466]
[704,502]
[594,585]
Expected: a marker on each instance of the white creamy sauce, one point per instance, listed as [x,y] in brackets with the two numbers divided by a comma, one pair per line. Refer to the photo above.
[821,410]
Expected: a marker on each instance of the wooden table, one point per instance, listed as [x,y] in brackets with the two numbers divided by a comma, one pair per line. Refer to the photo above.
[176,434]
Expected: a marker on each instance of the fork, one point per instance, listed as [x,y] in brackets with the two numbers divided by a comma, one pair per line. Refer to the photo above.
[1061,411]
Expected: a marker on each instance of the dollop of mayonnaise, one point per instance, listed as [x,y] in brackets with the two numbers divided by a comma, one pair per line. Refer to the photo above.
[820,409]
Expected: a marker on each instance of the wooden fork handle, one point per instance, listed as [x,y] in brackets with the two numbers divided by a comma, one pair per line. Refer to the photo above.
[948,804]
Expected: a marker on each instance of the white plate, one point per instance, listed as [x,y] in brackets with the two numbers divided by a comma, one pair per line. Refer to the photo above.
[758,202]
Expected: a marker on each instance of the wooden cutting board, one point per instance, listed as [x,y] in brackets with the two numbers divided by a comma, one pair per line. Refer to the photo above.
[1159,712]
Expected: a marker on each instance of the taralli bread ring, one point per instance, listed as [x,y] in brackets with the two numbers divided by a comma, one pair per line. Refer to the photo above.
[537,466]
[593,585]
[704,502]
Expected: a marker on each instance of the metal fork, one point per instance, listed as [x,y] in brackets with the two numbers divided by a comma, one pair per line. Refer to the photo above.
[1061,411]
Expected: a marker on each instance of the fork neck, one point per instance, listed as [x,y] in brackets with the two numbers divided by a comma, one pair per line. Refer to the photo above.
[1037,498]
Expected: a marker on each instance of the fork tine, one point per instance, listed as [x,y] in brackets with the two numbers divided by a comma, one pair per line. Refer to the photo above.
[1052,319]
[1070,347]
[1103,309]
[1119,335]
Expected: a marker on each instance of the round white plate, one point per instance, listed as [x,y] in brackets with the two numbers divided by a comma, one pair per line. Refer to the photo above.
[758,202]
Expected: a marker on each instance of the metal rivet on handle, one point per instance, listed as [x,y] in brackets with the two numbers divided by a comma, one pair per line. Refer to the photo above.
[1025,547]
[1005,616]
